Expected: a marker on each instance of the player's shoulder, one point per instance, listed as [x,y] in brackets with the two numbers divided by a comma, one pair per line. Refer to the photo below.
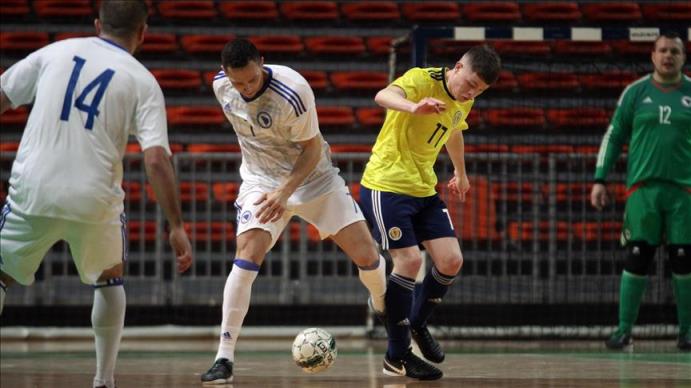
[286,79]
[637,86]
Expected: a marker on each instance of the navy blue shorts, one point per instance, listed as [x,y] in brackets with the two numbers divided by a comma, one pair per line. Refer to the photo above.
[401,221]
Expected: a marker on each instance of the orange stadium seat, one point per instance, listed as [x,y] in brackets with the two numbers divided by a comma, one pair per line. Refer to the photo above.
[253,11]
[670,12]
[15,117]
[312,11]
[431,11]
[202,231]
[542,149]
[14,9]
[496,11]
[139,231]
[225,192]
[598,231]
[296,232]
[278,44]
[159,43]
[205,44]
[195,116]
[506,81]
[341,148]
[524,231]
[178,79]
[474,219]
[548,81]
[70,35]
[9,146]
[202,148]
[583,117]
[209,76]
[570,47]
[63,9]
[370,117]
[336,116]
[612,80]
[371,11]
[135,148]
[617,11]
[23,41]
[513,191]
[340,45]
[359,80]
[133,191]
[317,79]
[187,9]
[355,190]
[516,117]
[189,192]
[628,48]
[521,48]
[558,12]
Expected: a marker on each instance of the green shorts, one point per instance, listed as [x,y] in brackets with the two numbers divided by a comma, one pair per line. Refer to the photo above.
[658,212]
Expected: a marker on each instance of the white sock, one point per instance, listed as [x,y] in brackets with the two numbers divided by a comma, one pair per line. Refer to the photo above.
[3,292]
[236,302]
[107,319]
[375,281]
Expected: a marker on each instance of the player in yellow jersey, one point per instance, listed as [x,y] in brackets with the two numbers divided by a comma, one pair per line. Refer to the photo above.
[426,110]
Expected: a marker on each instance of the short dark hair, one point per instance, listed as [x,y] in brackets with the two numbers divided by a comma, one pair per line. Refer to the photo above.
[122,18]
[485,61]
[238,53]
[670,35]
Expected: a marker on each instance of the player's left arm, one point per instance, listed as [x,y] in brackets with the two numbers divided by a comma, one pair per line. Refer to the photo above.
[459,184]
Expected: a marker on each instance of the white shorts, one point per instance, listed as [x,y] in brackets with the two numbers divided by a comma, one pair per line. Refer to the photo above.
[329,213]
[25,239]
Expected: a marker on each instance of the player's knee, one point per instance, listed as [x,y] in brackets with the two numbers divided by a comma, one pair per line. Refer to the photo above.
[115,272]
[450,265]
[680,259]
[409,266]
[639,257]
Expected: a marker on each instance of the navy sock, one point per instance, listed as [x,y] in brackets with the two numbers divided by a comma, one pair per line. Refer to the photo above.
[428,296]
[399,298]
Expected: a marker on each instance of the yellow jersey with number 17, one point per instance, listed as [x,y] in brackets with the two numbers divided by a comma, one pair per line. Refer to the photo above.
[407,147]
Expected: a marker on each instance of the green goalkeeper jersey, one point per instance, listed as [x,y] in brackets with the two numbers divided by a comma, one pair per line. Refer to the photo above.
[655,120]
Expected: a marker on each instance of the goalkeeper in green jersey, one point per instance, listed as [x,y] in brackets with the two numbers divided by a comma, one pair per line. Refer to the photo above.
[653,116]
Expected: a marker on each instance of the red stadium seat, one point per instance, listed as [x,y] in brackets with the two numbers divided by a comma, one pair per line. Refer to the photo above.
[355,190]
[253,11]
[140,231]
[340,45]
[226,192]
[598,231]
[618,11]
[359,80]
[548,81]
[202,148]
[542,149]
[337,116]
[524,231]
[9,146]
[474,219]
[70,35]
[23,41]
[475,118]
[15,117]
[203,231]
[578,118]
[381,45]
[370,117]
[178,79]
[522,48]
[295,231]
[586,149]
[204,44]
[63,9]
[278,44]
[317,79]
[187,9]
[371,11]
[345,148]
[311,11]
[612,80]
[209,76]
[189,192]
[135,148]
[570,47]
[506,81]
[193,116]
[133,191]
[628,48]
[670,12]
[516,117]
[514,192]
[558,12]
[486,147]
[496,11]
[159,43]
[453,47]
[431,11]
[14,9]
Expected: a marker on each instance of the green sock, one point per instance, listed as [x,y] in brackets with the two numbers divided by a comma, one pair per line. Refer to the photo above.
[682,292]
[631,290]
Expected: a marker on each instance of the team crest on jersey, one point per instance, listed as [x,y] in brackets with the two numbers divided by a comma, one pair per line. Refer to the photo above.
[264,119]
[686,101]
[245,216]
[395,233]
[457,118]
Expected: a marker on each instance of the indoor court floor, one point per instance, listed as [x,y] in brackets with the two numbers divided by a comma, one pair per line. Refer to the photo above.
[267,363]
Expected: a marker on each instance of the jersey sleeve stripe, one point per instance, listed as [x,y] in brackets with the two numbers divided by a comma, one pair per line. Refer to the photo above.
[287,98]
[290,91]
[219,75]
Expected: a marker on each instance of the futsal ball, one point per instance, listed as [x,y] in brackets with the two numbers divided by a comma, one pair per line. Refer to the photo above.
[314,350]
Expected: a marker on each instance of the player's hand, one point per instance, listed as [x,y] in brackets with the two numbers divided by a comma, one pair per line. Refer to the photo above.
[273,205]
[598,196]
[429,105]
[181,246]
[459,185]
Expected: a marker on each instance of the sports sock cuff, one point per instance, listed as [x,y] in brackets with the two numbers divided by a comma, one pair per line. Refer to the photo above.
[110,283]
[403,281]
[633,275]
[246,265]
[442,279]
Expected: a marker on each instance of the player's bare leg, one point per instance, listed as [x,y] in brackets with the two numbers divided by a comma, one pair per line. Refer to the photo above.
[108,319]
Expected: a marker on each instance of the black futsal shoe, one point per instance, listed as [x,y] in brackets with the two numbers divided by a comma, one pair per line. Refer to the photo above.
[620,340]
[221,372]
[429,347]
[411,366]
[684,342]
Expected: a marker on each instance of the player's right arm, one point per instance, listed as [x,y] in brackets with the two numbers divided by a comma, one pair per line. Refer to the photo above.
[393,97]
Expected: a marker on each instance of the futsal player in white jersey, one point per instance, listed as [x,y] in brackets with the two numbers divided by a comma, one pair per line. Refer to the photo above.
[286,170]
[89,95]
